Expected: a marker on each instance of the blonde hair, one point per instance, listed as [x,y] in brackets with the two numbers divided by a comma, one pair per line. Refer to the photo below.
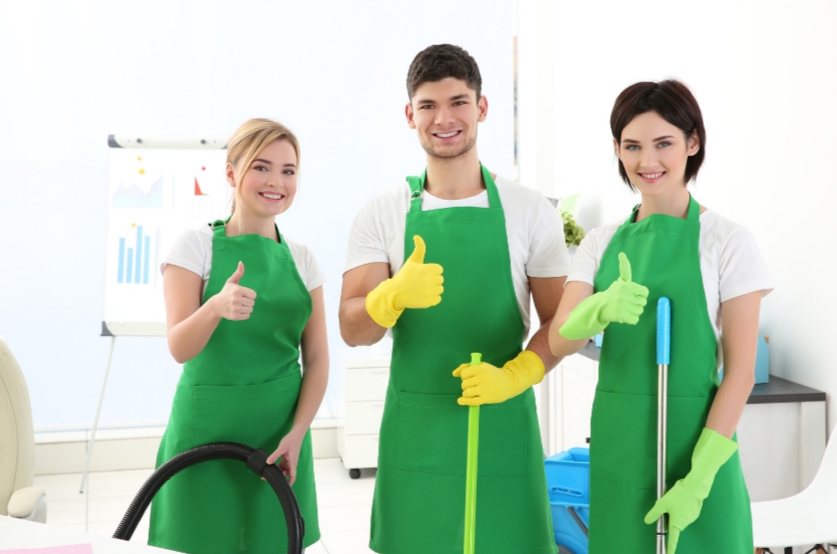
[249,140]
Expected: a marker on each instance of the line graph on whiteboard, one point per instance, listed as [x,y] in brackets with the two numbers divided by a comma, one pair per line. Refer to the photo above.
[133,196]
[142,191]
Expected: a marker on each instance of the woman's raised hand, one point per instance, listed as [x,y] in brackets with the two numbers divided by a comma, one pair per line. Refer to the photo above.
[623,302]
[235,302]
[625,299]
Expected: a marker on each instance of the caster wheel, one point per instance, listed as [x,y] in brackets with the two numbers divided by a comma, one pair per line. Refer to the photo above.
[354,473]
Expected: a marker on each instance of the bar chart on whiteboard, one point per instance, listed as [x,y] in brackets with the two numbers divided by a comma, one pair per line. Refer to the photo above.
[137,256]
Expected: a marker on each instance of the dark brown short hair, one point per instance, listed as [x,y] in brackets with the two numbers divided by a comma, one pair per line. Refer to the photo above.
[441,61]
[675,103]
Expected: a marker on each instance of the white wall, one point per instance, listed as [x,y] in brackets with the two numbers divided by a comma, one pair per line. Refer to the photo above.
[73,72]
[765,74]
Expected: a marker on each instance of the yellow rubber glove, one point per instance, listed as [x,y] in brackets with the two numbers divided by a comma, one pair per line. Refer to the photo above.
[487,384]
[417,285]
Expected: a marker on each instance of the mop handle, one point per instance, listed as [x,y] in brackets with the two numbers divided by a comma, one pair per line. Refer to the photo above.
[663,359]
[663,331]
[471,470]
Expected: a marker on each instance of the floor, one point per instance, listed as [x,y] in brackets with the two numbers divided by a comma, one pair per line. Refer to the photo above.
[344,504]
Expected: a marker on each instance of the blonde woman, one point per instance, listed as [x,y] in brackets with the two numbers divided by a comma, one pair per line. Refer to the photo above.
[241,302]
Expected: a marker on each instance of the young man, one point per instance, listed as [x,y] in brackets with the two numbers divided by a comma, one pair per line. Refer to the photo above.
[495,242]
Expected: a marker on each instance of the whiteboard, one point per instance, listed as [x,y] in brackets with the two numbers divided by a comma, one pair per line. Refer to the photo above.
[157,188]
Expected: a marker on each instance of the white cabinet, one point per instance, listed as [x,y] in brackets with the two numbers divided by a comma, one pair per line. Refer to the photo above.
[365,388]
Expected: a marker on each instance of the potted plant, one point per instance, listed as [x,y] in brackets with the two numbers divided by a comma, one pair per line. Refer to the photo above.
[573,233]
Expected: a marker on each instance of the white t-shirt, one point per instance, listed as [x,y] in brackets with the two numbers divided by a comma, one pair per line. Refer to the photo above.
[730,263]
[534,229]
[193,251]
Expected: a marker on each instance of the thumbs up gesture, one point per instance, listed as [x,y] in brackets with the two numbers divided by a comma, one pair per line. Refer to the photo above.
[622,302]
[625,299]
[417,285]
[235,302]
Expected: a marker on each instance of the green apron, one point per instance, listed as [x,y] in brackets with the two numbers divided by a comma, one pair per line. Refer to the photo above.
[243,387]
[419,503]
[663,252]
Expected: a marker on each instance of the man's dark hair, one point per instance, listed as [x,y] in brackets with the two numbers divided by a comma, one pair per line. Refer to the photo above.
[675,103]
[440,61]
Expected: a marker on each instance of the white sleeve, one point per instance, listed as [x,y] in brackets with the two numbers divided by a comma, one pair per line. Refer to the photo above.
[742,269]
[187,252]
[548,255]
[366,240]
[315,277]
[586,260]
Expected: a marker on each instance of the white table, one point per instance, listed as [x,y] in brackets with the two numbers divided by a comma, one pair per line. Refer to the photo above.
[18,533]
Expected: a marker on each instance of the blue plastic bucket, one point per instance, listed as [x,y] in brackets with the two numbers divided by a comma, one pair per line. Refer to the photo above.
[568,476]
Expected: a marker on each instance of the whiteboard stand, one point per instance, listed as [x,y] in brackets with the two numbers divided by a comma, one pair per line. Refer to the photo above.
[157,188]
[96,421]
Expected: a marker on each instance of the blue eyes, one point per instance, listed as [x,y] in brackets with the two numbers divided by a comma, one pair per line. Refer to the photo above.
[635,147]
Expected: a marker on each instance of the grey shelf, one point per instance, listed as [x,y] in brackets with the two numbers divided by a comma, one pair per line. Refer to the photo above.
[779,390]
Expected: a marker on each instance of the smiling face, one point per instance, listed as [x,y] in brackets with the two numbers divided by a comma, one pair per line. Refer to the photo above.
[269,185]
[654,153]
[445,113]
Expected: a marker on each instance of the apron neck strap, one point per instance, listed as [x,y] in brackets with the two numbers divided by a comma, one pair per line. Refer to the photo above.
[692,215]
[416,185]
[694,210]
[219,227]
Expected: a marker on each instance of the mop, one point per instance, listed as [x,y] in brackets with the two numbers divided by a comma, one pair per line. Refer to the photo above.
[471,470]
[663,359]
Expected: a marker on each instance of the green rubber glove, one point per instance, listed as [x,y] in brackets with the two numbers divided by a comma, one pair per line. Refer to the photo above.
[622,302]
[685,499]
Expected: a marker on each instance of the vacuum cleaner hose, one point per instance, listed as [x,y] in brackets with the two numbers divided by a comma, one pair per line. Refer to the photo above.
[256,460]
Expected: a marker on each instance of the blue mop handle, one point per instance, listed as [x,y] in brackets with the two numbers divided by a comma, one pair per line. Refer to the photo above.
[663,331]
[663,358]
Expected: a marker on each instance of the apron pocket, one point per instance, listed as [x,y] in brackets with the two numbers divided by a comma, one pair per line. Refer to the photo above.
[686,420]
[504,439]
[255,415]
[623,442]
[432,436]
